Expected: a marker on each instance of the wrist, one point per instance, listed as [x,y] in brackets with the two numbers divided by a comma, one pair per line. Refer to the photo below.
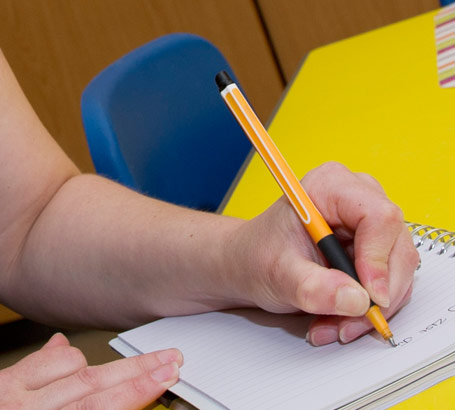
[236,265]
[248,255]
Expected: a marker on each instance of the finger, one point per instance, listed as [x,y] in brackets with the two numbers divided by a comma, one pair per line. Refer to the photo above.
[323,330]
[371,181]
[131,394]
[376,232]
[58,339]
[375,237]
[315,289]
[55,360]
[403,263]
[328,329]
[93,379]
[352,328]
[353,205]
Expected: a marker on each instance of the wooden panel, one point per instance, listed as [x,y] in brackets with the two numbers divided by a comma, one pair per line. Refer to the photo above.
[298,26]
[55,47]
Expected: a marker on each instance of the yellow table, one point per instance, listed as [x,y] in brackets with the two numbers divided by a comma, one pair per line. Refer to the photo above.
[372,102]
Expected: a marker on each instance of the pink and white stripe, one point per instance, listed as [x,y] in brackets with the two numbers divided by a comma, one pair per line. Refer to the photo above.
[445,46]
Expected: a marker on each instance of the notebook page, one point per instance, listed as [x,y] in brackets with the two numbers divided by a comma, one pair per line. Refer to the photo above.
[249,359]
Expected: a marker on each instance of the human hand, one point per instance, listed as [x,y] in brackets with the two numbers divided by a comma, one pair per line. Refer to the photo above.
[57,377]
[285,272]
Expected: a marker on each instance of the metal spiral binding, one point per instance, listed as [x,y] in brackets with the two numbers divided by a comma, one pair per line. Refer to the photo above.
[435,238]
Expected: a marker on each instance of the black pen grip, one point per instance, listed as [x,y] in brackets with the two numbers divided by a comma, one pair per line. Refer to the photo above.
[336,255]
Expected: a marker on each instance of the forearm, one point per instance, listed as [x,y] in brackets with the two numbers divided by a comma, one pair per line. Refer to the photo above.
[102,255]
[78,249]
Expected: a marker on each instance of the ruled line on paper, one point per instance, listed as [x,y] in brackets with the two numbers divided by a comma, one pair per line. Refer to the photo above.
[229,354]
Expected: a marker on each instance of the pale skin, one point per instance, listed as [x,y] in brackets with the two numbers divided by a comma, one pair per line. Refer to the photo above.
[81,250]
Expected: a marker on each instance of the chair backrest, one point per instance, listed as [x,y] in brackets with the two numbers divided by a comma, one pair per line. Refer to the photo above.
[155,122]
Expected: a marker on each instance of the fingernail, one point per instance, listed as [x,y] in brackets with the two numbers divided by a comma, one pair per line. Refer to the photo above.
[166,373]
[322,336]
[351,301]
[169,355]
[352,331]
[381,292]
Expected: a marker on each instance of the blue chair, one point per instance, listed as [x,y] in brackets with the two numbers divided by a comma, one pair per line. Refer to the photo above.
[155,122]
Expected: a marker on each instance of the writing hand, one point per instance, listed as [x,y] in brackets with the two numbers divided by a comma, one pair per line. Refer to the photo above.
[57,377]
[286,272]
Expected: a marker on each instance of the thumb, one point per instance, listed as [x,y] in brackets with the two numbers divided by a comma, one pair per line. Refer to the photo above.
[316,289]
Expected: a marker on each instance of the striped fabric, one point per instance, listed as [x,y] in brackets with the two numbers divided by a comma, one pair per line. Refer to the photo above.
[445,46]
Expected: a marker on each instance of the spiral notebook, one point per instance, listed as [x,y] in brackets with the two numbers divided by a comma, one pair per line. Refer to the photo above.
[251,359]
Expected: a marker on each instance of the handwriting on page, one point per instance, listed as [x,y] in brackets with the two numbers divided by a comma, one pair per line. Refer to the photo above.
[242,358]
[432,326]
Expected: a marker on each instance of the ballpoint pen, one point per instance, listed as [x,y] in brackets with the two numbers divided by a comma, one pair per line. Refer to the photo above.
[307,212]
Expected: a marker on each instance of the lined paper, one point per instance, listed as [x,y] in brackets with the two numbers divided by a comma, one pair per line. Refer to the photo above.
[250,359]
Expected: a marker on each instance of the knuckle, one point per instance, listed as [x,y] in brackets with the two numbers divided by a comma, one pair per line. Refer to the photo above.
[90,403]
[140,386]
[412,255]
[370,179]
[75,357]
[390,214]
[333,166]
[326,177]
[327,168]
[90,377]
[141,362]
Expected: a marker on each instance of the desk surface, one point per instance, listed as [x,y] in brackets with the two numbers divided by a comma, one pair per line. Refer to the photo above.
[372,102]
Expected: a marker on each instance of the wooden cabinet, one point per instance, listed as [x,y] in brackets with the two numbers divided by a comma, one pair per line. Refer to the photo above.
[296,27]
[56,46]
